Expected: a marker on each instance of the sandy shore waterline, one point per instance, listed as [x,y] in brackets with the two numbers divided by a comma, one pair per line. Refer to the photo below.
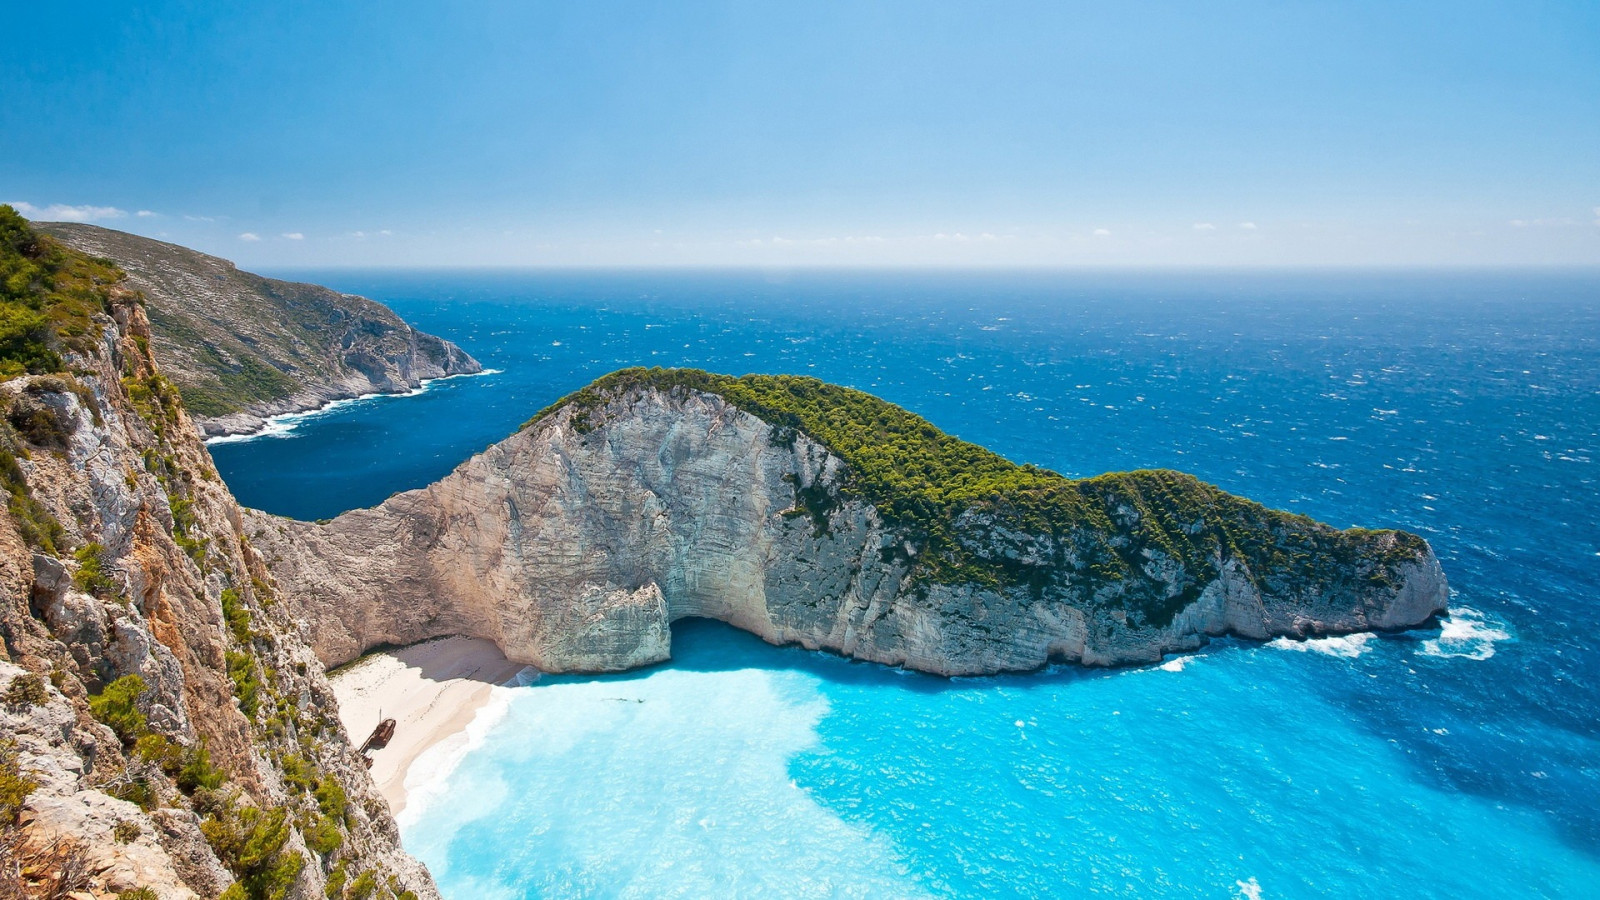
[432,690]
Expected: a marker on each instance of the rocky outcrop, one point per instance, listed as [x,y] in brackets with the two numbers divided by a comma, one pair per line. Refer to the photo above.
[576,543]
[125,573]
[241,347]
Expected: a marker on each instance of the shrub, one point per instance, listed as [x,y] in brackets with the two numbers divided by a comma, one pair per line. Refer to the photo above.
[331,798]
[136,789]
[39,422]
[323,836]
[246,681]
[117,706]
[92,577]
[159,751]
[38,527]
[365,885]
[250,842]
[236,614]
[26,691]
[140,893]
[126,831]
[197,772]
[14,786]
[335,883]
[297,773]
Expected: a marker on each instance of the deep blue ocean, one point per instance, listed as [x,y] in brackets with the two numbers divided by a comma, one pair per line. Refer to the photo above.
[1456,761]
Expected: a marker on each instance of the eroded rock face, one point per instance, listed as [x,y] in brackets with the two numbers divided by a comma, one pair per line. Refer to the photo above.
[242,347]
[575,549]
[148,544]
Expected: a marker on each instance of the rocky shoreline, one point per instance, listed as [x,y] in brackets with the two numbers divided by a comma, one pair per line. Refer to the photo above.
[246,426]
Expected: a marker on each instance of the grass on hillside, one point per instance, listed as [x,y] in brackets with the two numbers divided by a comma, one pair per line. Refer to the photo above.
[48,296]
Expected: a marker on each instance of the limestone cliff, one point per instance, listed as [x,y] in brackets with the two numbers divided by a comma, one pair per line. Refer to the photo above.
[241,347]
[162,724]
[656,495]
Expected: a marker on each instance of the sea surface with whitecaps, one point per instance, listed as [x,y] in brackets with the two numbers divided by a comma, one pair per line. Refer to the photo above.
[1460,760]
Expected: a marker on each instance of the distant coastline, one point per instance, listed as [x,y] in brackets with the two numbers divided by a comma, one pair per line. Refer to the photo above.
[284,424]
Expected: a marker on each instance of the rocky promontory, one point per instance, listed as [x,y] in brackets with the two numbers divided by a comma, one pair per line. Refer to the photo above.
[242,347]
[815,515]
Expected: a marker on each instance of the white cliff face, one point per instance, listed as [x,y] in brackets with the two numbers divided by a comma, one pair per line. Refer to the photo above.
[576,551]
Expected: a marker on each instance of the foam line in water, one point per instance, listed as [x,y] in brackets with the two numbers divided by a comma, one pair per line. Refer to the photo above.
[284,424]
[1347,646]
[428,779]
[1467,634]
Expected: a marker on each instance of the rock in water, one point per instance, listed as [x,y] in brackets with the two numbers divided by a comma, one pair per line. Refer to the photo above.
[816,515]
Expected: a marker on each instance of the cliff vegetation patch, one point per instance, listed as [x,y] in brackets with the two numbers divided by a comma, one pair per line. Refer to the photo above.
[48,297]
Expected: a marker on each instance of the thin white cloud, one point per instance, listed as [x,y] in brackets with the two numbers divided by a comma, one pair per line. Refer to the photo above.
[293,236]
[61,212]
[201,218]
[249,236]
[386,232]
[1204,226]
[145,214]
[1248,226]
[1102,232]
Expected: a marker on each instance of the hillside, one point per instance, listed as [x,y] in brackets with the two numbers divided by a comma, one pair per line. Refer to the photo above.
[241,347]
[164,730]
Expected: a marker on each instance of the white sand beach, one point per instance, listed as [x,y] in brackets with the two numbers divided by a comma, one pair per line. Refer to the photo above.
[432,690]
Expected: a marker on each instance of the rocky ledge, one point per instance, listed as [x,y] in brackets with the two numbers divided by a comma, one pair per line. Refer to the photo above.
[815,515]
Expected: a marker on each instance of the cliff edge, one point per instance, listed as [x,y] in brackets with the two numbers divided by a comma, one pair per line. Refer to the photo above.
[816,515]
[163,728]
[241,347]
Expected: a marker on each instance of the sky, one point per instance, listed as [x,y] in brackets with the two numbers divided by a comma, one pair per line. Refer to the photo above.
[598,133]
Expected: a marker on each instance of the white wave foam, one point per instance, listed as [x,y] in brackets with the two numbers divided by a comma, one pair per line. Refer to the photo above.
[1250,890]
[1177,663]
[428,778]
[1468,634]
[1347,646]
[283,425]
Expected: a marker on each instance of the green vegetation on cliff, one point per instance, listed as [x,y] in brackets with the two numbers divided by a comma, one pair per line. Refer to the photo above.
[981,518]
[48,295]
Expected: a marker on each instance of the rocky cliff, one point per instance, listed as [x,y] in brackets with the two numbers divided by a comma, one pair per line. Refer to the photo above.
[808,514]
[241,347]
[163,727]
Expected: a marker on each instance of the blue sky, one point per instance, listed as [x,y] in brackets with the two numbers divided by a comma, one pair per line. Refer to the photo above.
[861,133]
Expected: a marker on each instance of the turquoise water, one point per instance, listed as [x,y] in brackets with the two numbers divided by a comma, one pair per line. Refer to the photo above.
[1448,762]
